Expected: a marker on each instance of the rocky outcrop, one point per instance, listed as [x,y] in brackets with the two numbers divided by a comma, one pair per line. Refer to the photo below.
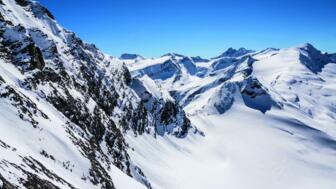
[312,58]
[87,87]
[168,116]
[234,53]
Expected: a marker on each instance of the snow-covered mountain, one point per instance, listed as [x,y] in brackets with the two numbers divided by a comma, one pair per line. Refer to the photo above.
[234,53]
[132,57]
[66,106]
[268,118]
[74,117]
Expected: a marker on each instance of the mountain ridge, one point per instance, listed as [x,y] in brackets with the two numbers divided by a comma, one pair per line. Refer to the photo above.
[75,117]
[50,75]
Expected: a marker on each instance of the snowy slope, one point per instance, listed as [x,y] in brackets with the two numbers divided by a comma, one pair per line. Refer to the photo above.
[43,142]
[74,117]
[268,118]
[66,106]
[305,79]
[241,149]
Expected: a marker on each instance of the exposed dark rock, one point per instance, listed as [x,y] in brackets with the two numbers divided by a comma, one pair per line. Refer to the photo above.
[23,3]
[27,110]
[45,154]
[168,111]
[47,12]
[199,59]
[256,96]
[40,168]
[34,182]
[127,56]
[97,174]
[35,53]
[233,53]
[1,17]
[93,96]
[313,59]
[126,74]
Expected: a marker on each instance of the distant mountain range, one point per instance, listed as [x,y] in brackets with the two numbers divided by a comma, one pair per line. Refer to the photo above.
[74,117]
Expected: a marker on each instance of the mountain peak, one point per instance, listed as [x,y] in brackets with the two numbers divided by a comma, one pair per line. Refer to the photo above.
[173,55]
[127,56]
[313,58]
[307,47]
[233,53]
[199,59]
[38,10]
[92,101]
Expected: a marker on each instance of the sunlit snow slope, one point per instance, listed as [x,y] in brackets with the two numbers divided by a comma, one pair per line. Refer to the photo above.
[65,108]
[268,118]
[74,117]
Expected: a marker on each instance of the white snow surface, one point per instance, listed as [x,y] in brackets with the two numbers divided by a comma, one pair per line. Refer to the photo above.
[20,142]
[291,145]
[241,149]
[51,136]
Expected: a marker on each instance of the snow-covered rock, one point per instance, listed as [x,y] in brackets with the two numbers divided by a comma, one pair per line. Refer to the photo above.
[66,107]
[134,57]
[271,110]
[234,53]
[74,117]
[312,58]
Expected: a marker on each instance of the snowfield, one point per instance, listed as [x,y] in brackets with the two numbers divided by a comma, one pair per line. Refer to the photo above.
[291,145]
[74,117]
[241,149]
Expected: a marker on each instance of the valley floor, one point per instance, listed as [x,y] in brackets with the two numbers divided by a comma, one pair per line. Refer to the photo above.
[241,149]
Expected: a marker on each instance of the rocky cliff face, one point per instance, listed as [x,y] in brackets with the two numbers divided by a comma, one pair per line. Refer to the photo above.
[72,86]
[74,117]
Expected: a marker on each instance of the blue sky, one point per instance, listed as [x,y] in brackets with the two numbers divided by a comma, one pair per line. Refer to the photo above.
[197,27]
